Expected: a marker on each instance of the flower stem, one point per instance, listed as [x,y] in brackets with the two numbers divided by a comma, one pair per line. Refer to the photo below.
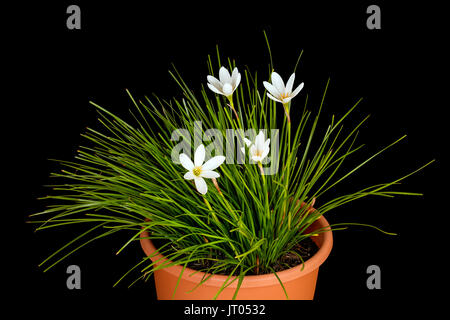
[257,264]
[286,111]
[265,191]
[288,164]
[216,184]
[214,180]
[210,210]
[261,169]
[230,99]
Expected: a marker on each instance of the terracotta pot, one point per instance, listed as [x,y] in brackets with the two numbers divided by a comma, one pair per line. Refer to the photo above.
[299,284]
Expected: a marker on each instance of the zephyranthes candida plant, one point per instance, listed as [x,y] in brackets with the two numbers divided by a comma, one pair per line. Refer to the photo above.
[226,215]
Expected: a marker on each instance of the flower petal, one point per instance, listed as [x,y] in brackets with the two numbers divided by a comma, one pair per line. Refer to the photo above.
[259,142]
[224,75]
[234,75]
[269,87]
[209,174]
[236,81]
[247,142]
[265,153]
[290,84]
[297,90]
[199,155]
[286,100]
[186,162]
[267,144]
[273,98]
[215,82]
[189,175]
[213,163]
[278,82]
[201,186]
[227,89]
[252,151]
[256,158]
[214,89]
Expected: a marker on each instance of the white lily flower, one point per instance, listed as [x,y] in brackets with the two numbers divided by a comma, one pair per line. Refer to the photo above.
[260,149]
[278,92]
[248,143]
[198,170]
[227,83]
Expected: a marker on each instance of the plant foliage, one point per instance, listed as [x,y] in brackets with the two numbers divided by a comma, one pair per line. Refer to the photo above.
[124,179]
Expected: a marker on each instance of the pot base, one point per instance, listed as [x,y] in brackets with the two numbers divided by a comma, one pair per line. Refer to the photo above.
[299,282]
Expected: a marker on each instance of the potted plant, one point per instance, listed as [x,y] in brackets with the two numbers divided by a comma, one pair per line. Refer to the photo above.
[222,188]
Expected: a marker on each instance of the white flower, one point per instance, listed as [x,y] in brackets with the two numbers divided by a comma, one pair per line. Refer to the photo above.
[280,93]
[199,170]
[248,143]
[260,149]
[227,83]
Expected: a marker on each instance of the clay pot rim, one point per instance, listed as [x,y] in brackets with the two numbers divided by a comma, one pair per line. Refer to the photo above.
[249,281]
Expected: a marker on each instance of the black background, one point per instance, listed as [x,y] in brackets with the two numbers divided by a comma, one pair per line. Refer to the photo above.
[397,70]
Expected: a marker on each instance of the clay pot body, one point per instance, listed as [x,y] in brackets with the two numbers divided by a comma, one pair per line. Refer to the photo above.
[299,284]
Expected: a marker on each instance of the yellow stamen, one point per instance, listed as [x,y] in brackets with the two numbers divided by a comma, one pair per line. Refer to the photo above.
[197,171]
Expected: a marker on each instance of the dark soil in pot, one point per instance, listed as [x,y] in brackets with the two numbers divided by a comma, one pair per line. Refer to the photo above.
[305,249]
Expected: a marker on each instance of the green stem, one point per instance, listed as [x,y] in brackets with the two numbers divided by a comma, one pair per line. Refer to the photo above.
[288,164]
[286,111]
[230,99]
[210,210]
[266,196]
